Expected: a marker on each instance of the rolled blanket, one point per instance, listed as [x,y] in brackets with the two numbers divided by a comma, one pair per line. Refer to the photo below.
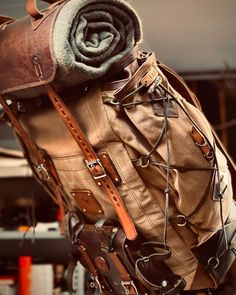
[75,41]
[90,35]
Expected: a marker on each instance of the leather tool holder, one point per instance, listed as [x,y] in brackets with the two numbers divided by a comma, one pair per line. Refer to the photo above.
[104,250]
[118,265]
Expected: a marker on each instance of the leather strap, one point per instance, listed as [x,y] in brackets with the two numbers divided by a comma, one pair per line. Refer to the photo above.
[145,74]
[93,163]
[127,283]
[32,9]
[20,130]
[100,282]
[201,142]
[44,164]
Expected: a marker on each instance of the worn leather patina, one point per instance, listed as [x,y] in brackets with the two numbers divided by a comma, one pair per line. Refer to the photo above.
[126,135]
[133,146]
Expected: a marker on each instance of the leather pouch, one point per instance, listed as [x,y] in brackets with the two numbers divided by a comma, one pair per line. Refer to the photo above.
[118,265]
[104,250]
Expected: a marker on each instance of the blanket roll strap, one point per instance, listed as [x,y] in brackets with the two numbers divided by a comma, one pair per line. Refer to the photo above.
[28,61]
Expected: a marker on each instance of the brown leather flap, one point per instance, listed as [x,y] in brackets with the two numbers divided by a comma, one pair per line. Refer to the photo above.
[26,59]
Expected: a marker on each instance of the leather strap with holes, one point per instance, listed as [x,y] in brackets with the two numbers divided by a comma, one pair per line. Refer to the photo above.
[93,163]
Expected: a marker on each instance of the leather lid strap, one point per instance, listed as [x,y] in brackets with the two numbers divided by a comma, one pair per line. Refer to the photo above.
[93,163]
[145,74]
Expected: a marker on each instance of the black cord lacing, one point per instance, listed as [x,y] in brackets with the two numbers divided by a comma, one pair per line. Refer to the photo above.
[220,193]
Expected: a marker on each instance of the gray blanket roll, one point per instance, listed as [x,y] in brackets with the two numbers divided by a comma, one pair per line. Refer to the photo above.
[90,35]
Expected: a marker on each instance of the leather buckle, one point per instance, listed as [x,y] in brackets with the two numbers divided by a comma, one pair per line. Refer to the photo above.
[97,283]
[92,166]
[43,171]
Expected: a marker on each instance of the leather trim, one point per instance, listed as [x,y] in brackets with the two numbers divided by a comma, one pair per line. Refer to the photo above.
[87,202]
[202,143]
[109,167]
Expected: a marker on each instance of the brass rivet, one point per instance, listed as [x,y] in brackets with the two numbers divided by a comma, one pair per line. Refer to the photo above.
[100,211]
[116,179]
[84,210]
[99,183]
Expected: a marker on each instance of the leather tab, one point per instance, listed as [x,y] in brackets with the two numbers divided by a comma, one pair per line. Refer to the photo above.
[109,167]
[150,76]
[87,202]
[202,143]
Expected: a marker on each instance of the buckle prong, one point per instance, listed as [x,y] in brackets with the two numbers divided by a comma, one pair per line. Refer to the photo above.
[41,169]
[92,165]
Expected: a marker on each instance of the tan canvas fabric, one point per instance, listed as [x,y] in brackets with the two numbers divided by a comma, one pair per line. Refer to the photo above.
[126,135]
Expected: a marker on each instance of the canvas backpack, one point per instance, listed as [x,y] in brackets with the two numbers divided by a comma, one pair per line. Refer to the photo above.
[134,164]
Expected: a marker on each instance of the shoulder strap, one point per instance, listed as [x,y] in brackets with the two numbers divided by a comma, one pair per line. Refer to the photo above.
[40,162]
[93,163]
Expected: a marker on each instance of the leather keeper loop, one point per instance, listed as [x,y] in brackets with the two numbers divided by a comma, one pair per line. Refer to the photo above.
[202,143]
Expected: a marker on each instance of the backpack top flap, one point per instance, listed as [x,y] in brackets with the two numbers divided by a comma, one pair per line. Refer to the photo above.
[26,58]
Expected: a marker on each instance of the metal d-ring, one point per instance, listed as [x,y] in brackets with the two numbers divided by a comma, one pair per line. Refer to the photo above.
[181,220]
[213,262]
[201,144]
[144,162]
